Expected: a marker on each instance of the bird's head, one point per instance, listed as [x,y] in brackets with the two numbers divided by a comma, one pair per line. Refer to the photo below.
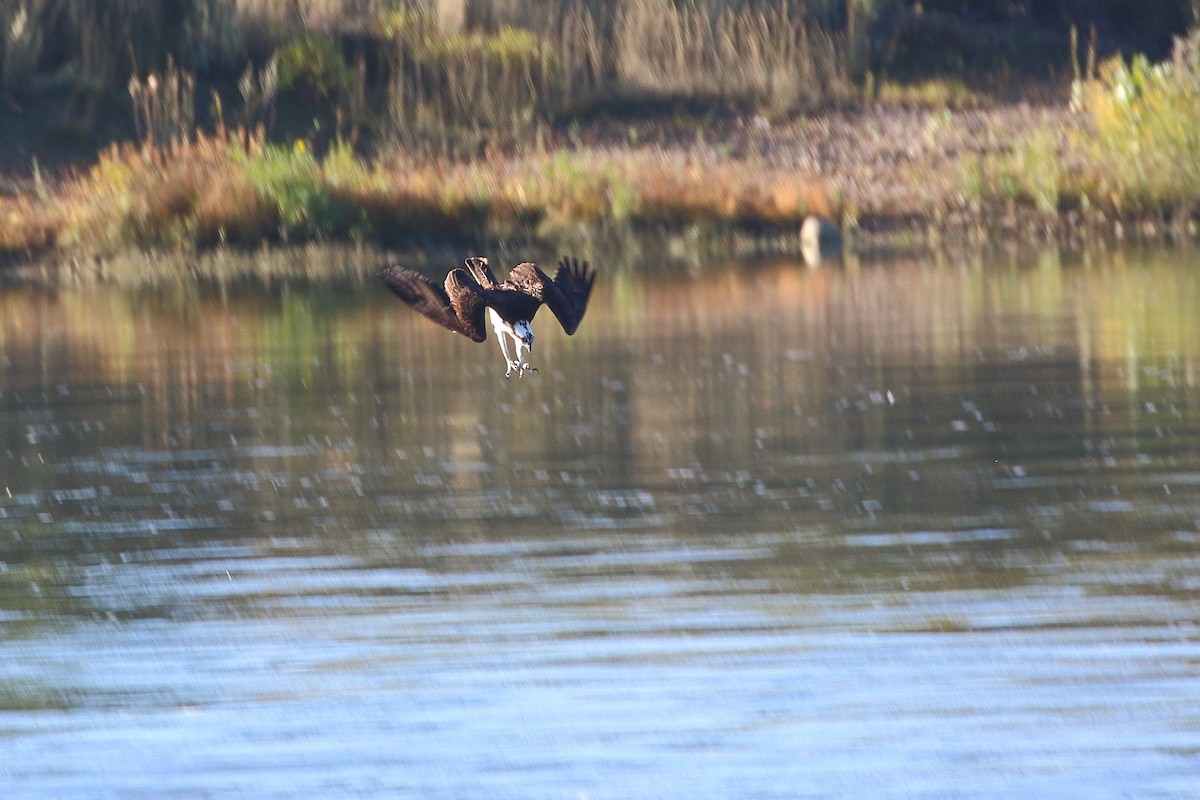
[525,333]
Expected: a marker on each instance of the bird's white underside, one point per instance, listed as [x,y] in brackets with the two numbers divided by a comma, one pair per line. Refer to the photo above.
[521,335]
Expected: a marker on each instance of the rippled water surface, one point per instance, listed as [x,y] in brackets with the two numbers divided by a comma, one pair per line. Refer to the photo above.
[915,529]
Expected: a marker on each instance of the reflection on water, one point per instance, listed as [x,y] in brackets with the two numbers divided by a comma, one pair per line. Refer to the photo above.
[914,529]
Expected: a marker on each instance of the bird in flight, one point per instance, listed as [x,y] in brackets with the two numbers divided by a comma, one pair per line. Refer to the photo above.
[471,294]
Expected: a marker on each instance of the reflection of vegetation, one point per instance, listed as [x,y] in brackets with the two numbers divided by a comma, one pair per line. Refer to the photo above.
[33,697]
[1122,308]
[291,402]
[305,340]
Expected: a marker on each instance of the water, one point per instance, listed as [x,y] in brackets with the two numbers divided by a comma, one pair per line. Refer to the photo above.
[914,529]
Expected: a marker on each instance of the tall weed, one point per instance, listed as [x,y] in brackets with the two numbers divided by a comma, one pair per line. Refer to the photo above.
[480,84]
[1146,148]
[761,54]
[164,105]
[21,38]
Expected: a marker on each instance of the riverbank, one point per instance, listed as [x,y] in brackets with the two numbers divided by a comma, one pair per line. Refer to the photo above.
[708,127]
[887,175]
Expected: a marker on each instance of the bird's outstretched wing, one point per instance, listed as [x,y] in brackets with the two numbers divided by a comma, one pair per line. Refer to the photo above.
[459,306]
[482,272]
[566,295]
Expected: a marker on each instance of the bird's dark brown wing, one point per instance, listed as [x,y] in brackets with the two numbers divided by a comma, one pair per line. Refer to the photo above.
[511,303]
[459,307]
[468,302]
[482,272]
[566,295]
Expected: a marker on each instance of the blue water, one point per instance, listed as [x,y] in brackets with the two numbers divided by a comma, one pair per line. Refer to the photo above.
[903,530]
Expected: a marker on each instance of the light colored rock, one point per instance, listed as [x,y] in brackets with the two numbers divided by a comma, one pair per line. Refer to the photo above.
[820,240]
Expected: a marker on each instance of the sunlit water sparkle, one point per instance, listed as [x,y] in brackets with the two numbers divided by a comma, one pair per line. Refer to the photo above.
[900,530]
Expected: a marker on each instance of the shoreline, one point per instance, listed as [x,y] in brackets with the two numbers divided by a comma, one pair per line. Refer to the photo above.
[888,177]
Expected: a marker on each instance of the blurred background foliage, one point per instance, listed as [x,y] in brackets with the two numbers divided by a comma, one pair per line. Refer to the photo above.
[251,117]
[410,70]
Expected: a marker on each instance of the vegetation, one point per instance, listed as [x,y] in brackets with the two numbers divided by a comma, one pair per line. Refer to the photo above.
[100,45]
[1136,157]
[238,189]
[390,119]
[312,67]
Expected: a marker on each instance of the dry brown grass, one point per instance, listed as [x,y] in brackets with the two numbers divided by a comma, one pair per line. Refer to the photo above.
[759,54]
[452,88]
[674,190]
[469,86]
[229,210]
[236,188]
[26,226]
[164,104]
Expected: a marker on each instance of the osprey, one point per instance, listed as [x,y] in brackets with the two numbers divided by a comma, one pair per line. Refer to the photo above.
[509,306]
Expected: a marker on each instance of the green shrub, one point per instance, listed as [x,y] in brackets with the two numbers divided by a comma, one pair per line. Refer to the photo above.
[289,180]
[312,66]
[1146,148]
[1135,154]
[406,26]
